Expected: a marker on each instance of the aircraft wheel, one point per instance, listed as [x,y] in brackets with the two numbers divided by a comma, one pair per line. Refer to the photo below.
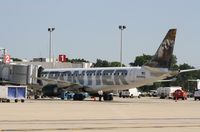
[100,98]
[75,97]
[108,97]
[78,97]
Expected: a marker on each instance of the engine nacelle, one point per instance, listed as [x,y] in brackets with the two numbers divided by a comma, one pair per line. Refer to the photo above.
[51,90]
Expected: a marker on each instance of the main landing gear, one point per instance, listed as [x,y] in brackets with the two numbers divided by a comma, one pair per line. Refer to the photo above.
[78,97]
[106,97]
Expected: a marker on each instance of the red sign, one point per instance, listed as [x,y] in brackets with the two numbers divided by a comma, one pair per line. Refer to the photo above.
[7,59]
[62,58]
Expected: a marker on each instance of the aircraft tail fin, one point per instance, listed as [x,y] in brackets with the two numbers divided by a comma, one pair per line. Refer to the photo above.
[163,56]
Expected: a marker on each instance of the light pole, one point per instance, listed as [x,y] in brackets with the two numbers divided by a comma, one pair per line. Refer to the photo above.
[3,54]
[121,27]
[50,43]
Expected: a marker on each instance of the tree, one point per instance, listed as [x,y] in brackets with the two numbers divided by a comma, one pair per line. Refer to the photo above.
[77,60]
[182,78]
[16,59]
[174,63]
[141,60]
[101,63]
[115,64]
[105,63]
[185,66]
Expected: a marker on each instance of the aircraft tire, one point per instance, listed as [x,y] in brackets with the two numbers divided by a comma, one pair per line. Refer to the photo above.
[78,97]
[108,97]
[75,97]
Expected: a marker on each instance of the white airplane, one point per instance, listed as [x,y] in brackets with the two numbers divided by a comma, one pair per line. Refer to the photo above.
[101,82]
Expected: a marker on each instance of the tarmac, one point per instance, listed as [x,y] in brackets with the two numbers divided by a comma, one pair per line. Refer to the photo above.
[139,115]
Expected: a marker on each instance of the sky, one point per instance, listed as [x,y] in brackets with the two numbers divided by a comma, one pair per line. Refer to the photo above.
[89,28]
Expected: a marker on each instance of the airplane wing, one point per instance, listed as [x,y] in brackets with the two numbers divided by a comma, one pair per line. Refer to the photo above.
[192,80]
[167,80]
[188,70]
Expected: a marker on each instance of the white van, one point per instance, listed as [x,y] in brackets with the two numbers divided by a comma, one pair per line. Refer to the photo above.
[133,92]
[167,92]
[197,94]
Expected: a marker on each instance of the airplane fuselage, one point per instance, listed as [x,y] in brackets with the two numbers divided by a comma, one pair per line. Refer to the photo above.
[105,79]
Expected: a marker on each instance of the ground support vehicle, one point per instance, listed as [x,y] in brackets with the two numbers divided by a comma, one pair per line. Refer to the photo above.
[66,95]
[167,92]
[13,93]
[197,95]
[179,94]
[133,92]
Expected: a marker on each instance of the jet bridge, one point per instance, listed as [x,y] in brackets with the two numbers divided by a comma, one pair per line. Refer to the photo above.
[19,74]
